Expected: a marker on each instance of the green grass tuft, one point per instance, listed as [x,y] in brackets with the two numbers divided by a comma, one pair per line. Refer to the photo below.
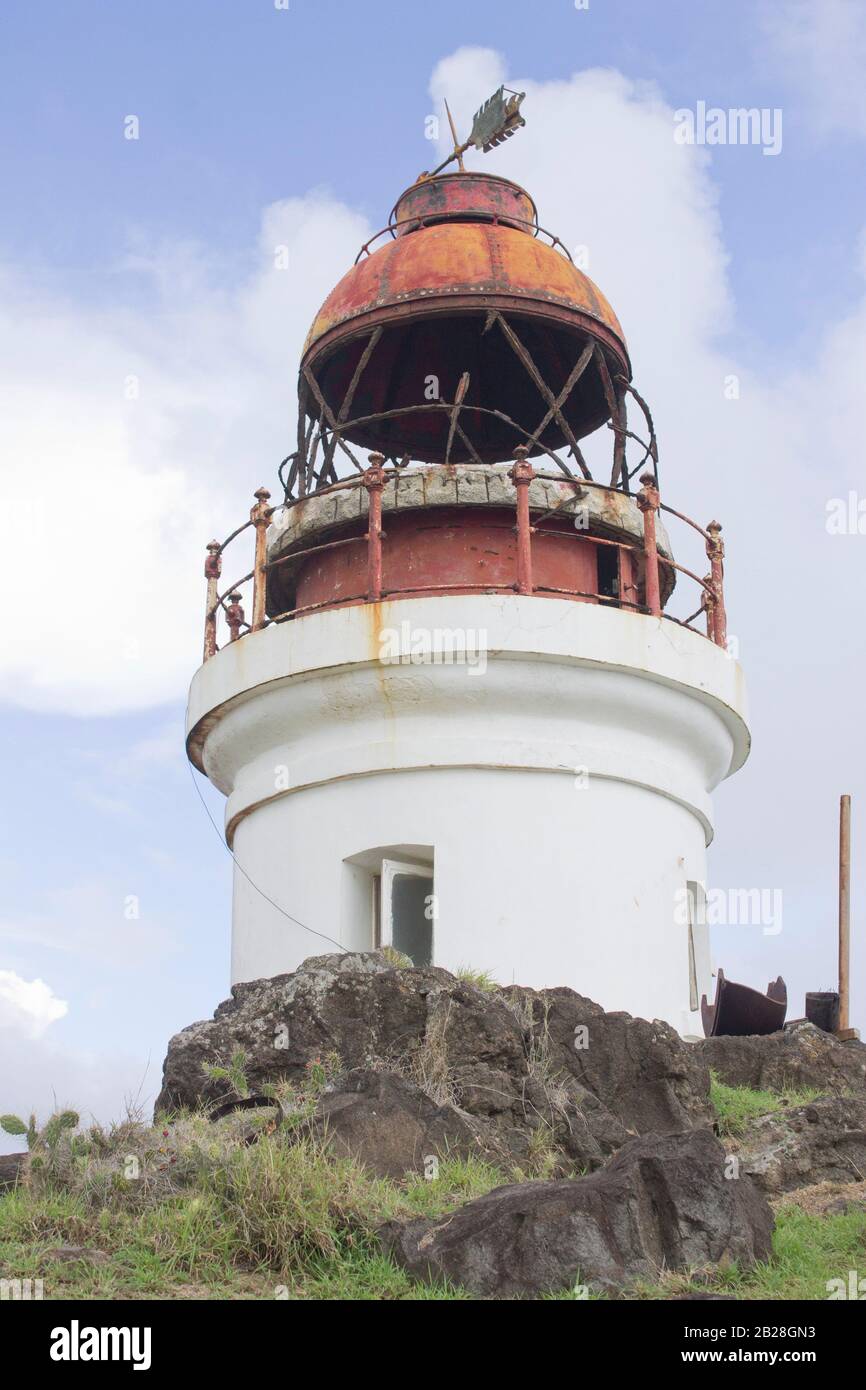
[735,1106]
[481,979]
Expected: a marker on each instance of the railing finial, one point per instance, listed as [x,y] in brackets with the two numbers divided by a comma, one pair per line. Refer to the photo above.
[234,615]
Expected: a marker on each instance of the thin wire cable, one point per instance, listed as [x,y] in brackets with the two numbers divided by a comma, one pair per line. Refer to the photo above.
[260,891]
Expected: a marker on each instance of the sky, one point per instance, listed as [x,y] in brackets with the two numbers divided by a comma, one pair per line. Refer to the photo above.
[150,343]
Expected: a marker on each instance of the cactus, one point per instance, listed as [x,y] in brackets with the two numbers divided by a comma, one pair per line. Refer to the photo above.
[235,1073]
[48,1137]
[53,1129]
[12,1124]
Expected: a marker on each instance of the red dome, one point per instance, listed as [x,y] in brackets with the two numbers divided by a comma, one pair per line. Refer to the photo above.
[432,290]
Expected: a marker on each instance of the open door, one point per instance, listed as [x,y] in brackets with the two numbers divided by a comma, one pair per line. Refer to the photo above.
[406,910]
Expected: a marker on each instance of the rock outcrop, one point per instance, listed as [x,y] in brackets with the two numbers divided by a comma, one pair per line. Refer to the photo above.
[511,1061]
[12,1170]
[641,1071]
[389,1124]
[801,1057]
[824,1141]
[662,1203]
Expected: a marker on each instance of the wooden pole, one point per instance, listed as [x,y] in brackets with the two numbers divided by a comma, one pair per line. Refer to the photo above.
[844,912]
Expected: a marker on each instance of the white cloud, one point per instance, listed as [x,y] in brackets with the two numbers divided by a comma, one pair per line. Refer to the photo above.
[28,1007]
[106,501]
[821,50]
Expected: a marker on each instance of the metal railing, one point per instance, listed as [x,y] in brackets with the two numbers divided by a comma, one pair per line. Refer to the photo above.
[651,564]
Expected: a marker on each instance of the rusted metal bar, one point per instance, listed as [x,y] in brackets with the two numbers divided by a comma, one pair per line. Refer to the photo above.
[304,437]
[522,474]
[239,530]
[626,584]
[716,555]
[576,373]
[616,405]
[681,516]
[235,585]
[844,912]
[648,501]
[374,482]
[369,349]
[315,550]
[380,415]
[421,222]
[212,571]
[462,388]
[260,515]
[473,453]
[235,615]
[584,593]
[328,414]
[647,414]
[526,358]
[665,563]
[708,604]
[620,464]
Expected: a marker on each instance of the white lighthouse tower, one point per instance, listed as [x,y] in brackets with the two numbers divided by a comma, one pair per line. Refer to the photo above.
[456,714]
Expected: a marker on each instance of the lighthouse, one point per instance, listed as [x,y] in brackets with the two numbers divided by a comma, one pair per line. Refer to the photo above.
[459,693]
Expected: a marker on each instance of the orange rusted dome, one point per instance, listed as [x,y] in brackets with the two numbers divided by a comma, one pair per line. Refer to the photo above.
[464,252]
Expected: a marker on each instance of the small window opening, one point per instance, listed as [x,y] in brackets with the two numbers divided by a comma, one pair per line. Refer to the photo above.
[608,571]
[405,907]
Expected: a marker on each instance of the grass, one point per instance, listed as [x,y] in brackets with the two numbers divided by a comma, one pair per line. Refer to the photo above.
[207,1214]
[481,979]
[735,1106]
[281,1221]
[808,1251]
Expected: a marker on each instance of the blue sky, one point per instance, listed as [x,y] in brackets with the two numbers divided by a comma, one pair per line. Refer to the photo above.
[148,258]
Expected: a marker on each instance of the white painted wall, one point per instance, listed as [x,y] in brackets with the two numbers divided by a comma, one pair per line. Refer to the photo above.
[544,875]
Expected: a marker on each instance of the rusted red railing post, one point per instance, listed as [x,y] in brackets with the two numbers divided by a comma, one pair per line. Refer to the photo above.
[522,474]
[648,501]
[234,615]
[260,515]
[716,554]
[374,482]
[212,569]
[708,604]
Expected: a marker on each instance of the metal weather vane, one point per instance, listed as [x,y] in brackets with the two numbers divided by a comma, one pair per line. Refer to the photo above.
[495,121]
